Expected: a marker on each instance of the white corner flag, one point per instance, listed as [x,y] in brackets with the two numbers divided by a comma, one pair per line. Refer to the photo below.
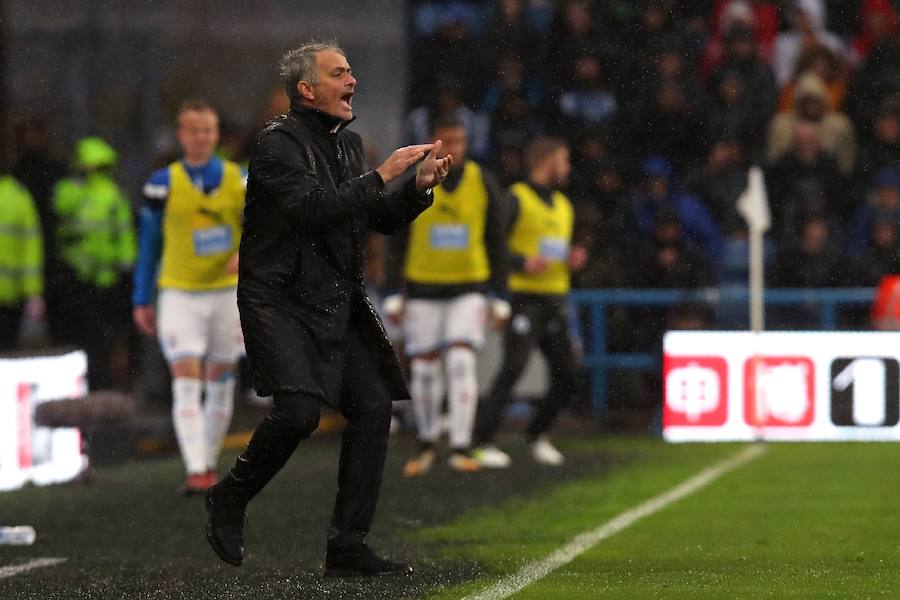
[753,204]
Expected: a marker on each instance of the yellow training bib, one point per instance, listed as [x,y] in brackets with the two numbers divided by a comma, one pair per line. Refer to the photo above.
[446,242]
[542,230]
[201,233]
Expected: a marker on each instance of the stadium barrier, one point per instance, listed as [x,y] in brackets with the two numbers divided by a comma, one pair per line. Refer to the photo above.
[594,304]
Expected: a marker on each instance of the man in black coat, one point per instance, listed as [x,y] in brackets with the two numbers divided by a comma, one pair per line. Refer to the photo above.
[311,333]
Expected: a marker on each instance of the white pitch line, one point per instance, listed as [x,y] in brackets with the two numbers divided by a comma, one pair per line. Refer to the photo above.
[37,563]
[583,542]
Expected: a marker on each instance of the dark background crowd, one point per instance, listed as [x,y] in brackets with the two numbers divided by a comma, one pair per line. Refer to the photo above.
[665,104]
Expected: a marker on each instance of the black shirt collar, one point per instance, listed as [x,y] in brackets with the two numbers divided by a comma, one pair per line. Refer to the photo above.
[322,121]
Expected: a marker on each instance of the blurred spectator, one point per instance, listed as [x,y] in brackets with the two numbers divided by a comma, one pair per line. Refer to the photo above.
[820,61]
[667,122]
[743,70]
[448,101]
[450,53]
[605,221]
[804,180]
[875,83]
[883,203]
[513,123]
[835,131]
[21,261]
[807,19]
[877,21]
[811,261]
[883,149]
[574,34]
[659,195]
[881,257]
[512,77]
[38,171]
[672,260]
[721,181]
[758,16]
[587,100]
[511,34]
[89,304]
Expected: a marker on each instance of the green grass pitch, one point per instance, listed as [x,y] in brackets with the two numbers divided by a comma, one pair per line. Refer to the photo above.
[800,521]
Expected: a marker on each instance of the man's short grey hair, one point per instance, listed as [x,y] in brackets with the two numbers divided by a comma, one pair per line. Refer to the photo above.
[300,64]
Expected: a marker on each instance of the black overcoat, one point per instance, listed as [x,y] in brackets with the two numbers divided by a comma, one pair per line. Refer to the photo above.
[310,205]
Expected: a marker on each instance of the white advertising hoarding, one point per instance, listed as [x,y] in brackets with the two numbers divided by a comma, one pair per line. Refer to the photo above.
[781,386]
[29,453]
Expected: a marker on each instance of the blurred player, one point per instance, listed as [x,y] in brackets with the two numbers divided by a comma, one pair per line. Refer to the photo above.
[540,240]
[451,257]
[190,231]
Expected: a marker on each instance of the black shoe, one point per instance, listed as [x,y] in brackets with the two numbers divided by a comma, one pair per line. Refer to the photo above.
[359,561]
[225,528]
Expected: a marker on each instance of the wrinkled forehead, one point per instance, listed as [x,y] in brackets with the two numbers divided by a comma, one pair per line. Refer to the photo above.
[331,59]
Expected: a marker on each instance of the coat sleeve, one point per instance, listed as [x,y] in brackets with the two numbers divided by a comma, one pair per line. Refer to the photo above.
[283,169]
[392,212]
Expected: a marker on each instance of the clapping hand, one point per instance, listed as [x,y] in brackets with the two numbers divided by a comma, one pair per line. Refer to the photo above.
[433,169]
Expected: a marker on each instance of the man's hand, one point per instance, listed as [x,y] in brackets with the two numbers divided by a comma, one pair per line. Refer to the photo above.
[536,264]
[393,306]
[499,313]
[433,170]
[145,319]
[578,257]
[400,160]
[232,267]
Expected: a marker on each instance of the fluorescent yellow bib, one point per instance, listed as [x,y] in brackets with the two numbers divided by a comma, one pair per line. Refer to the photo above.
[201,233]
[546,231]
[446,243]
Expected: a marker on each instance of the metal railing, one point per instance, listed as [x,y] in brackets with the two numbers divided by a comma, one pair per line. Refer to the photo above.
[596,302]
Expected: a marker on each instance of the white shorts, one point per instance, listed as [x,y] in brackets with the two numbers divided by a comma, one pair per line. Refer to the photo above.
[432,325]
[202,325]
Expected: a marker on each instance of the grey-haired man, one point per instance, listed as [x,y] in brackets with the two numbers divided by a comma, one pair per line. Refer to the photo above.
[311,333]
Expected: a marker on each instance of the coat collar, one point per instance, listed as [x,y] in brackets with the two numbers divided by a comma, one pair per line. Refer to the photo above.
[323,122]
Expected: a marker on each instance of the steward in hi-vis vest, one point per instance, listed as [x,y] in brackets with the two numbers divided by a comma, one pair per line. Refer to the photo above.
[96,247]
[21,260]
[439,275]
[543,256]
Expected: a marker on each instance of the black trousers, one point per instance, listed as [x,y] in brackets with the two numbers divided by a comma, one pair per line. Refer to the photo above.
[10,320]
[366,404]
[535,321]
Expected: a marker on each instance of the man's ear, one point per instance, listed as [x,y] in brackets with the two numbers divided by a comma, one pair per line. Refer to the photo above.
[306,90]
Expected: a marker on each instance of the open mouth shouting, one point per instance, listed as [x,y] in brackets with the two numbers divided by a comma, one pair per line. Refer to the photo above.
[347,101]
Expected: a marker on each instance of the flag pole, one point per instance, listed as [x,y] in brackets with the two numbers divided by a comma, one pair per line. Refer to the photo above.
[753,205]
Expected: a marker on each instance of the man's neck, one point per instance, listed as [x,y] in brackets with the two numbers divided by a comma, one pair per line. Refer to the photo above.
[197,161]
[540,182]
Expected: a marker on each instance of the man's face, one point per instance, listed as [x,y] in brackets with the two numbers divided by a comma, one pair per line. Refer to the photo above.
[333,94]
[198,134]
[453,142]
[561,167]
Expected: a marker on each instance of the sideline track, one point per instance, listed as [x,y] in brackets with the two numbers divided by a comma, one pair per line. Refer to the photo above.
[583,542]
[36,563]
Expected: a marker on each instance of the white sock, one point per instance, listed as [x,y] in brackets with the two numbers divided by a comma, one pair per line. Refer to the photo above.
[217,411]
[188,420]
[462,393]
[427,389]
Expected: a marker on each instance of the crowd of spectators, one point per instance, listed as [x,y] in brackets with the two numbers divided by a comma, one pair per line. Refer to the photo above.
[666,104]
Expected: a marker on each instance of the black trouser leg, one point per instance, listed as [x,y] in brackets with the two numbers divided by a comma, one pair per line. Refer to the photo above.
[518,341]
[556,346]
[10,319]
[293,418]
[366,404]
